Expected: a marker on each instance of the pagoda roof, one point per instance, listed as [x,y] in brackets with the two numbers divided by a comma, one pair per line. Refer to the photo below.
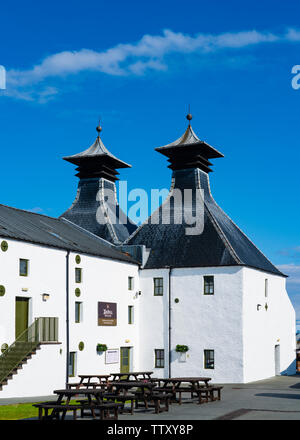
[190,141]
[98,153]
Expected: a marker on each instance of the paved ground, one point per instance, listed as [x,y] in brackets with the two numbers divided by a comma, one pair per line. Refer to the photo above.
[277,398]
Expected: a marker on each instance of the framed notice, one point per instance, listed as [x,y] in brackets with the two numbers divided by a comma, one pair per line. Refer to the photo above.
[107,313]
[112,356]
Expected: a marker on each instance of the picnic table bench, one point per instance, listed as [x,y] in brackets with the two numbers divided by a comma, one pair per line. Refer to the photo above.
[86,381]
[94,401]
[144,393]
[62,408]
[174,386]
[146,375]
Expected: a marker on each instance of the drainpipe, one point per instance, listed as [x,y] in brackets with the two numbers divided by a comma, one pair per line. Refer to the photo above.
[170,327]
[67,319]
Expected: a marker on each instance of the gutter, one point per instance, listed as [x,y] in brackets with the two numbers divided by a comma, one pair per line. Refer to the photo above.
[67,317]
[170,326]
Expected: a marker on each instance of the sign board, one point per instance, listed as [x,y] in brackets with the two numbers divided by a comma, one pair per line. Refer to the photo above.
[112,356]
[107,313]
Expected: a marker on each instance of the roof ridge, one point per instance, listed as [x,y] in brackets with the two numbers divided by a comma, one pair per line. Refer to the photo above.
[243,233]
[29,212]
[216,224]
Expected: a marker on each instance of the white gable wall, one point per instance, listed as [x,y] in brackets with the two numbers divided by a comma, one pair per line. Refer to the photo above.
[201,322]
[263,329]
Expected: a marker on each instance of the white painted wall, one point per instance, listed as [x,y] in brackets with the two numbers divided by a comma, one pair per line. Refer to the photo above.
[154,324]
[200,321]
[263,329]
[227,322]
[47,272]
[102,280]
[212,322]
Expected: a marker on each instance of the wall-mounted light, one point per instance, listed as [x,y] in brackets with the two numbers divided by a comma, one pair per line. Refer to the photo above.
[45,296]
[258,306]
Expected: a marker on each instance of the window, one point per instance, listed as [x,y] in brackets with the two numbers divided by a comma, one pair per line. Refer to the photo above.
[24,264]
[78,275]
[78,311]
[130,283]
[158,286]
[209,359]
[266,287]
[130,315]
[208,285]
[72,364]
[159,358]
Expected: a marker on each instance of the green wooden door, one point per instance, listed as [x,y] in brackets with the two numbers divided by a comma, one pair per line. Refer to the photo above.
[22,307]
[125,360]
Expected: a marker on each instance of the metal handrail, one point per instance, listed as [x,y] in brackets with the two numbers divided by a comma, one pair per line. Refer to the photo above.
[41,330]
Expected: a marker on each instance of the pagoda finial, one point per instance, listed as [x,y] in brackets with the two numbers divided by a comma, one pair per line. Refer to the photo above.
[189,117]
[99,128]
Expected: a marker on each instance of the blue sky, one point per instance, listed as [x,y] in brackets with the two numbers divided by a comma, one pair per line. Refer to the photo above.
[138,65]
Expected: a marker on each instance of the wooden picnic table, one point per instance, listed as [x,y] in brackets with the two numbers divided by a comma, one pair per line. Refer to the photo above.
[122,387]
[86,392]
[86,381]
[136,375]
[177,381]
[174,385]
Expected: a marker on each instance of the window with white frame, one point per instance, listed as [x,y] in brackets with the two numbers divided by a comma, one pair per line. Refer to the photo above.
[158,285]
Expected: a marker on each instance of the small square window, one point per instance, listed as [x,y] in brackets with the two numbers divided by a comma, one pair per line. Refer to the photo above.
[23,268]
[78,275]
[130,283]
[78,311]
[209,285]
[209,359]
[158,286]
[159,358]
[130,314]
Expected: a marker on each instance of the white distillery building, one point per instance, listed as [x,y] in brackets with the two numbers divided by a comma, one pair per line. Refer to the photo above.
[73,286]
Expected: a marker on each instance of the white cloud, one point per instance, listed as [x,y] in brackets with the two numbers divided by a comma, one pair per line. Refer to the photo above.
[147,54]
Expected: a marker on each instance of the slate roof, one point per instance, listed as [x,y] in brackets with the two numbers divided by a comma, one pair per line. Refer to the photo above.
[58,233]
[96,151]
[221,243]
[90,201]
[187,140]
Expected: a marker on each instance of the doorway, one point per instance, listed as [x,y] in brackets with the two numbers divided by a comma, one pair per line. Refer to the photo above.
[22,315]
[277,360]
[125,360]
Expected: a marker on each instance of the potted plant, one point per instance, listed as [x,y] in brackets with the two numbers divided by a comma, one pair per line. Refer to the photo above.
[101,348]
[182,349]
